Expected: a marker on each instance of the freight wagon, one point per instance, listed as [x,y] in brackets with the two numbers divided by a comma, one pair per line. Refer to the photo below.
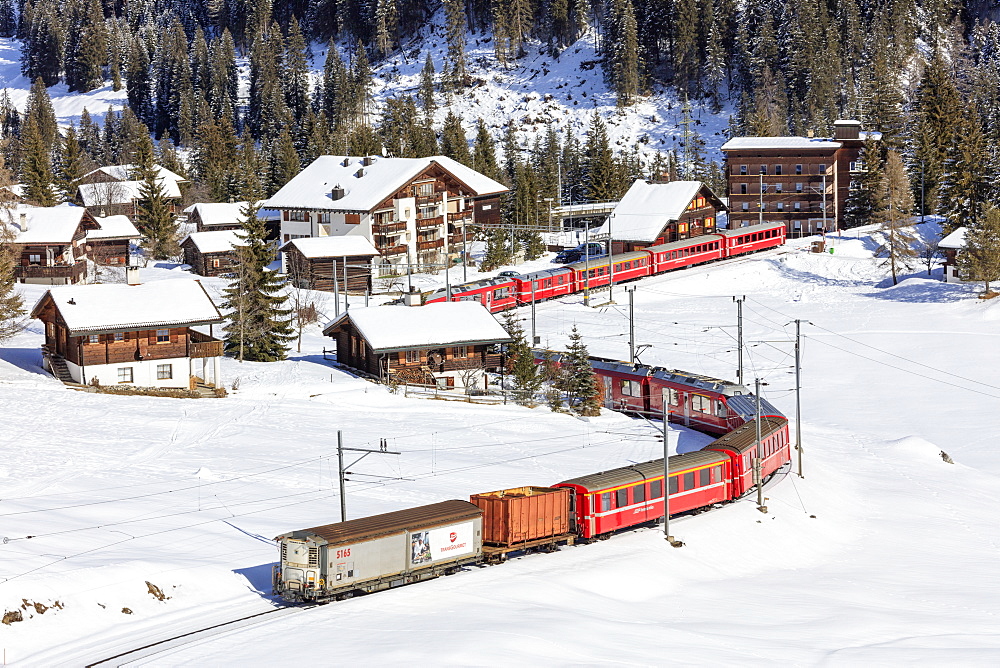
[378,552]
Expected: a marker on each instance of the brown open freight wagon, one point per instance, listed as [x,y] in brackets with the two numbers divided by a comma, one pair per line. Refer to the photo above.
[523,518]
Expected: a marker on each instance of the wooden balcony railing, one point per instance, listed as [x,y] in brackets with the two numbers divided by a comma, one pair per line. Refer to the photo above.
[424,223]
[461,216]
[393,250]
[457,240]
[388,228]
[424,200]
[203,345]
[74,272]
[430,245]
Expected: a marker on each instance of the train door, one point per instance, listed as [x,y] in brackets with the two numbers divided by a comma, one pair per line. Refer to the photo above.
[609,399]
[647,406]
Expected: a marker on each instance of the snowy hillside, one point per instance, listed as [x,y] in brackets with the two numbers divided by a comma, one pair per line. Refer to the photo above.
[884,553]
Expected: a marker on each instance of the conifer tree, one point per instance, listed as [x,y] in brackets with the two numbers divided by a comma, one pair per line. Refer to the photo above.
[334,84]
[11,304]
[39,109]
[454,143]
[498,251]
[223,88]
[36,165]
[863,197]
[259,327]
[153,217]
[86,53]
[938,112]
[579,380]
[895,205]
[598,161]
[980,259]
[137,75]
[283,162]
[455,26]
[42,54]
[386,26]
[8,19]
[70,165]
[427,87]
[484,156]
[296,72]
[965,184]
[520,361]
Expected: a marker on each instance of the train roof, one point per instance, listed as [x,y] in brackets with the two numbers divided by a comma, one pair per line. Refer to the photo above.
[745,405]
[685,243]
[545,273]
[614,366]
[744,437]
[724,387]
[471,286]
[635,473]
[603,260]
[757,227]
[367,528]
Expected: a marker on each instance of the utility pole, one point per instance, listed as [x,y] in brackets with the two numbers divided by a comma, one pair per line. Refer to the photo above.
[534,339]
[798,392]
[824,200]
[409,271]
[666,482]
[760,212]
[757,461]
[739,338]
[447,280]
[336,290]
[586,255]
[465,255]
[383,450]
[631,324]
[611,264]
[347,306]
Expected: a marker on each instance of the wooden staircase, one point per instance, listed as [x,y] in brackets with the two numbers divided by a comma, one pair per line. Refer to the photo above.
[60,370]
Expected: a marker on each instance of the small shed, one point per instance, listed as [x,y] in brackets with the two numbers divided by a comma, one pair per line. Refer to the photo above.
[312,262]
[110,244]
[448,344]
[951,245]
[211,253]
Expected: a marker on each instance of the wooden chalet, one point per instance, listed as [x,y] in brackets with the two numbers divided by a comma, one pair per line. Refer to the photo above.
[410,209]
[111,244]
[140,335]
[652,213]
[447,344]
[216,216]
[52,244]
[951,246]
[312,263]
[117,189]
[211,253]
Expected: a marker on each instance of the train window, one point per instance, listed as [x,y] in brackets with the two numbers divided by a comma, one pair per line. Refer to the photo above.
[673,398]
[656,489]
[689,480]
[673,484]
[720,408]
[605,502]
[701,403]
[621,498]
[638,494]
[704,477]
[716,474]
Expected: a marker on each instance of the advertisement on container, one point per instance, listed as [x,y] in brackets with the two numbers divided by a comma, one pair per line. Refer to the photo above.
[441,544]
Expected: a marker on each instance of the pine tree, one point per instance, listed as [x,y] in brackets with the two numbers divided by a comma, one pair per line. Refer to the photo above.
[498,251]
[70,165]
[153,216]
[283,162]
[685,48]
[224,92]
[455,26]
[295,76]
[980,259]
[11,304]
[938,112]
[598,161]
[895,205]
[427,87]
[87,49]
[334,85]
[863,197]
[36,165]
[966,182]
[42,54]
[520,361]
[137,74]
[260,324]
[484,155]
[454,143]
[580,381]
[39,109]
[386,26]
[8,19]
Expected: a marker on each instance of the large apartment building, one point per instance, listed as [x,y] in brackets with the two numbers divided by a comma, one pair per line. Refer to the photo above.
[803,182]
[410,209]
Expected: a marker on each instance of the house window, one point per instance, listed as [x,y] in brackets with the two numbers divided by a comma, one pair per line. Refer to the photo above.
[743,169]
[781,206]
[798,187]
[462,351]
[124,374]
[163,336]
[746,206]
[763,206]
[743,189]
[215,264]
[763,169]
[798,169]
[94,338]
[164,371]
[777,170]
[424,189]
[777,187]
[797,224]
[298,216]
[412,356]
[119,337]
[34,259]
[323,218]
[821,170]
[798,206]
[426,212]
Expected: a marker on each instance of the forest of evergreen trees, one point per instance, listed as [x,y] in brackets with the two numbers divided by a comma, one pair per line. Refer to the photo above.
[924,73]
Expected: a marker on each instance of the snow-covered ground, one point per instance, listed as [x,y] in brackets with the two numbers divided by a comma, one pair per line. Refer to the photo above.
[883,553]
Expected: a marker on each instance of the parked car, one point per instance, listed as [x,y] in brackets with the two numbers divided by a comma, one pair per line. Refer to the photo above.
[507,273]
[580,253]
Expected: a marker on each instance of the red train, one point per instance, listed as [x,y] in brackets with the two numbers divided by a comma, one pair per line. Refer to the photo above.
[499,294]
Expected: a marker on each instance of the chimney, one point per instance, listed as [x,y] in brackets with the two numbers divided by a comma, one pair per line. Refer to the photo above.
[24,222]
[132,275]
[367,160]
[346,162]
[337,192]
[810,133]
[359,173]
[847,129]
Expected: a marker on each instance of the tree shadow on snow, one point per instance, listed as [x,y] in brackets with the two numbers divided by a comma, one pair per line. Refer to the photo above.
[29,359]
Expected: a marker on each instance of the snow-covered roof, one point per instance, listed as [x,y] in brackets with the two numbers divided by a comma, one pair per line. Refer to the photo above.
[47,225]
[647,207]
[114,227]
[216,241]
[121,192]
[389,328]
[129,172]
[311,188]
[219,213]
[119,307]
[335,246]
[955,240]
[751,143]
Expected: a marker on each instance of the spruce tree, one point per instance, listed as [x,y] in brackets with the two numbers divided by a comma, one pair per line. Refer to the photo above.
[36,165]
[427,87]
[580,381]
[598,161]
[895,205]
[137,75]
[980,259]
[11,304]
[153,216]
[498,251]
[863,197]
[334,84]
[520,363]
[484,155]
[386,26]
[259,327]
[283,162]
[295,76]
[70,165]
[455,74]
[39,109]
[938,113]
[966,183]
[8,18]
[454,143]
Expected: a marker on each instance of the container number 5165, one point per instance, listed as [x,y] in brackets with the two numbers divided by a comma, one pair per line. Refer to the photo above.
[341,554]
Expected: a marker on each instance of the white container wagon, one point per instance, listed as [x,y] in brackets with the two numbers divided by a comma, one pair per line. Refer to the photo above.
[378,552]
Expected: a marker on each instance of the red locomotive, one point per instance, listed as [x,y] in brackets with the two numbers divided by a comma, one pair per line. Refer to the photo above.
[499,294]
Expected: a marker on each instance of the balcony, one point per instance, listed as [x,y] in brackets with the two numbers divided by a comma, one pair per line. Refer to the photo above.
[427,200]
[460,217]
[202,345]
[425,223]
[430,245]
[74,272]
[389,228]
[393,250]
[457,240]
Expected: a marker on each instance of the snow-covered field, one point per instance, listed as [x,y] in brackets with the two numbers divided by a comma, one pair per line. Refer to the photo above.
[883,553]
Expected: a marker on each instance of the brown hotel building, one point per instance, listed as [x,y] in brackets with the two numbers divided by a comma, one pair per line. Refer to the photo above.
[789,179]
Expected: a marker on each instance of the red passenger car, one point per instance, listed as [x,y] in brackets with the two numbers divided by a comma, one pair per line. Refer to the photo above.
[546,284]
[597,272]
[753,238]
[740,445]
[633,495]
[496,294]
[685,253]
